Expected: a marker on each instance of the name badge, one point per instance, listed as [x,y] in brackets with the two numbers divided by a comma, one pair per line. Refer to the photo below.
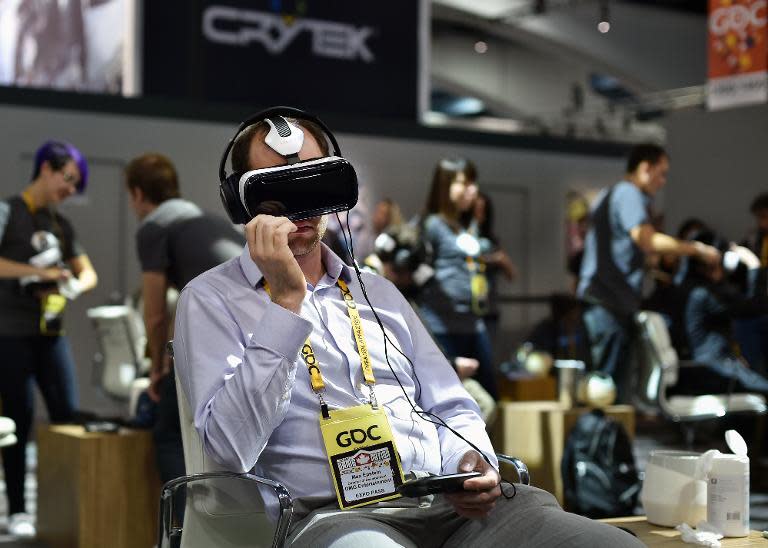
[365,464]
[52,314]
[479,286]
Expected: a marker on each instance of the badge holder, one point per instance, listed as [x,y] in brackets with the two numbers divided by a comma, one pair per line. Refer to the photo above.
[52,314]
[479,287]
[364,461]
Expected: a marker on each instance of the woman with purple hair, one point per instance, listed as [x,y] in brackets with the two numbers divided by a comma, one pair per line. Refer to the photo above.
[41,267]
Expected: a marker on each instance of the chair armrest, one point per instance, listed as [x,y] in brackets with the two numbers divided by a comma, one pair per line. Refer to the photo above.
[283,495]
[8,439]
[522,470]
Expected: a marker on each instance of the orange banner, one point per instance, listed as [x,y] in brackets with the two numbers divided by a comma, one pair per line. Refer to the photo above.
[738,52]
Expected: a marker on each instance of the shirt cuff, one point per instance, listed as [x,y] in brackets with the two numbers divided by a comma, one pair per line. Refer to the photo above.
[281,331]
[450,465]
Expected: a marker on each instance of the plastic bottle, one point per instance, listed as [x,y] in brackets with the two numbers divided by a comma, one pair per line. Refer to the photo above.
[728,489]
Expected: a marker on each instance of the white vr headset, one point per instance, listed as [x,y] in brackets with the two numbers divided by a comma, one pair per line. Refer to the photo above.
[298,189]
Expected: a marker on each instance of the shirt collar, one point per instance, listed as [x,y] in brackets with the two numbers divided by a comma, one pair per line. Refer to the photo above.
[158,211]
[29,201]
[647,198]
[334,266]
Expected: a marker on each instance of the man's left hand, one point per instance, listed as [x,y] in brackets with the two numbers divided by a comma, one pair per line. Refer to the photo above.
[480,493]
[465,367]
[155,376]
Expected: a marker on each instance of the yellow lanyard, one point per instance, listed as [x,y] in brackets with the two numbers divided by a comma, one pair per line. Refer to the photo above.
[32,208]
[29,201]
[764,251]
[308,354]
[475,265]
[357,331]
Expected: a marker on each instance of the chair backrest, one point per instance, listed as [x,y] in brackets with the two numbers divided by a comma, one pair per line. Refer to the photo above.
[122,341]
[218,512]
[658,358]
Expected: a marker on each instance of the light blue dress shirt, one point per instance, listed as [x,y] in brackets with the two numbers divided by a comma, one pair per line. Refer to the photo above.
[237,357]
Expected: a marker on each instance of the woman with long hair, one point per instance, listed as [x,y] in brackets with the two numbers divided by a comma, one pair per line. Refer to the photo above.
[452,303]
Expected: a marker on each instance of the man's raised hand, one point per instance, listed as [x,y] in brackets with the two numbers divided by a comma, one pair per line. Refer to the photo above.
[267,238]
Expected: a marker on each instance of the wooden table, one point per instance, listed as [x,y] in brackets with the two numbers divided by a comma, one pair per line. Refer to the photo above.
[535,432]
[654,535]
[96,489]
[527,388]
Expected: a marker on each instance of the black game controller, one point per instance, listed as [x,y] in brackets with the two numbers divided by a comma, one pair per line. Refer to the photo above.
[436,484]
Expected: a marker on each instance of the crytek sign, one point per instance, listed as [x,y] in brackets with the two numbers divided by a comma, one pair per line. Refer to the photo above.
[241,27]
[349,57]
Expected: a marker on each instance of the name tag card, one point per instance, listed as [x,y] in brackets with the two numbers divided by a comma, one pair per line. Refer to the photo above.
[361,450]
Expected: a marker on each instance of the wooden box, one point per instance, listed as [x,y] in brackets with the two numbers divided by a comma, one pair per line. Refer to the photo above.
[96,489]
[527,388]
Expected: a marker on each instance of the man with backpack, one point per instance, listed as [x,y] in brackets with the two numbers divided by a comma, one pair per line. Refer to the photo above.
[620,236]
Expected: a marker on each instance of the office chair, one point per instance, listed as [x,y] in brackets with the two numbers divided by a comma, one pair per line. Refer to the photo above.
[7,432]
[659,366]
[222,508]
[120,361]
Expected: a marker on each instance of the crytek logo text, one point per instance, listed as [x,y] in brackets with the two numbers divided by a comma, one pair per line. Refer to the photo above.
[238,27]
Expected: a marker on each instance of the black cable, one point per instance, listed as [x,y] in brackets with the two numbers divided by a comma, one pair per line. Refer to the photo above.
[423,415]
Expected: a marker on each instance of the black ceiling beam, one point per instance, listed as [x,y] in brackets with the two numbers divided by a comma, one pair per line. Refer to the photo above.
[690,6]
[233,113]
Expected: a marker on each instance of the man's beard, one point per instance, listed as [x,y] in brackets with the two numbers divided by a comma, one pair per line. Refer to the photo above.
[299,249]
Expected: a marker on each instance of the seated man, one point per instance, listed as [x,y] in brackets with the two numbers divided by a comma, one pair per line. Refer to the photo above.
[752,332]
[713,299]
[270,363]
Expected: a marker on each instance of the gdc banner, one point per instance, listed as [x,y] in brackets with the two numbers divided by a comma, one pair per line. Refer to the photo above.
[738,54]
[342,56]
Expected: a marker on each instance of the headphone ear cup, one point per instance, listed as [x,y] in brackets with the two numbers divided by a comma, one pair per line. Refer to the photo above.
[230,199]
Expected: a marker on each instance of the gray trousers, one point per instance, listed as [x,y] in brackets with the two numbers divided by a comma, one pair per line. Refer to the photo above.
[531,519]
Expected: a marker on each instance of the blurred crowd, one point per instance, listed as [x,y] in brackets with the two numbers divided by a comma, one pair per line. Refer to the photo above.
[711,290]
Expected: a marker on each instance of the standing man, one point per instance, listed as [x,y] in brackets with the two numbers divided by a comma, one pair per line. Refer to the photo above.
[279,348]
[619,239]
[176,241]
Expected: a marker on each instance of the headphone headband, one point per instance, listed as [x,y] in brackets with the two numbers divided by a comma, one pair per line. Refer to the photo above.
[290,112]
